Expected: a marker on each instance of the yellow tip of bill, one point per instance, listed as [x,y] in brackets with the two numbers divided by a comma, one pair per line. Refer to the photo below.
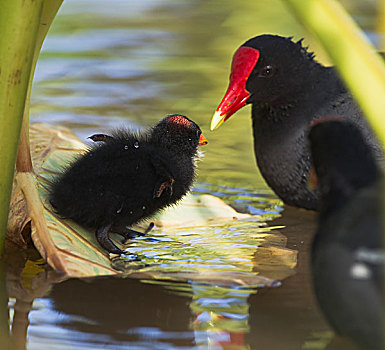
[217,120]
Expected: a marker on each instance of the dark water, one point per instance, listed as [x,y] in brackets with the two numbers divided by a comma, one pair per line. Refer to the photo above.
[111,63]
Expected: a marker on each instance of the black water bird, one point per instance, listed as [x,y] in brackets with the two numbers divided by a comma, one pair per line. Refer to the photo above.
[348,253]
[288,89]
[129,177]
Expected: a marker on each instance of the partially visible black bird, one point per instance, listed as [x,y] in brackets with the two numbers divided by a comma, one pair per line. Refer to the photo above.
[129,177]
[348,253]
[288,89]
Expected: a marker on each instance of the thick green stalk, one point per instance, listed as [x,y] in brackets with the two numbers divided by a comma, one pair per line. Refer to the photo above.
[19,23]
[356,60]
[50,8]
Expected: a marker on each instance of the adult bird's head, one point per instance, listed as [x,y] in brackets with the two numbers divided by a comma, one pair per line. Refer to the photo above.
[266,70]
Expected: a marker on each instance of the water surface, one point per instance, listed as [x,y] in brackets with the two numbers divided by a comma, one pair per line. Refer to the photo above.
[116,63]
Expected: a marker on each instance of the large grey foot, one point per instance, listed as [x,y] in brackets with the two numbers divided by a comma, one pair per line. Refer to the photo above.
[104,240]
[128,233]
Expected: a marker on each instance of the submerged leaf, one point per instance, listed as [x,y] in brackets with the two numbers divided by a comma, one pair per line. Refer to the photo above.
[197,211]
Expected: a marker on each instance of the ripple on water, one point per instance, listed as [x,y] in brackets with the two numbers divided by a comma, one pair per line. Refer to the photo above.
[244,253]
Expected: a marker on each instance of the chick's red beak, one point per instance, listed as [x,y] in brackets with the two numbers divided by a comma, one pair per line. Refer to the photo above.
[202,140]
[244,61]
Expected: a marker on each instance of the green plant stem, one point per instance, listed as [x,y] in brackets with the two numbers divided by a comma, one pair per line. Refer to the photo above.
[19,23]
[356,60]
[49,11]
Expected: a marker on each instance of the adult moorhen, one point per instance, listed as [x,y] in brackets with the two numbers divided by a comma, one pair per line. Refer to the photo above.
[288,89]
[348,253]
[129,177]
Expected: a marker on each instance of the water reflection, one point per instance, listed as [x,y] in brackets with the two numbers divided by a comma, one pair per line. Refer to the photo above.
[114,313]
[221,316]
[130,63]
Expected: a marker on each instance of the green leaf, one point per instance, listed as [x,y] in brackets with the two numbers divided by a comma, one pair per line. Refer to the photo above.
[19,22]
[23,27]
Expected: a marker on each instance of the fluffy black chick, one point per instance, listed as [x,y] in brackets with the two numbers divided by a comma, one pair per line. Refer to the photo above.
[129,177]
[348,255]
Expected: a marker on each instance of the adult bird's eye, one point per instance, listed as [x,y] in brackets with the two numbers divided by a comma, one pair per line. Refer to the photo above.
[267,72]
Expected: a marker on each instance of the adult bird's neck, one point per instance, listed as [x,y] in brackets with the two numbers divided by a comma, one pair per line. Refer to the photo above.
[280,139]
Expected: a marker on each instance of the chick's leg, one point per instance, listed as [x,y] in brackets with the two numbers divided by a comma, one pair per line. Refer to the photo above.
[129,233]
[104,240]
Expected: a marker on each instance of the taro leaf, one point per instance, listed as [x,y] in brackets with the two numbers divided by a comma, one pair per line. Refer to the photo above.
[63,248]
[201,239]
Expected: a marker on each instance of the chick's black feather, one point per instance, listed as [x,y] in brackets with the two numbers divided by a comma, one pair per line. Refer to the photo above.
[129,177]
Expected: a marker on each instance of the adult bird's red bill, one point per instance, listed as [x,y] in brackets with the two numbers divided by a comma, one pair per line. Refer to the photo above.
[287,89]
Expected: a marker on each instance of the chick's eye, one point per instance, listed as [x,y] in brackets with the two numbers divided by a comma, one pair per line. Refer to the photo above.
[267,72]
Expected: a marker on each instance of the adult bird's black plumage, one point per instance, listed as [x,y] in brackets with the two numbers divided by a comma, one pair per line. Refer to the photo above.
[288,89]
[348,253]
[129,177]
